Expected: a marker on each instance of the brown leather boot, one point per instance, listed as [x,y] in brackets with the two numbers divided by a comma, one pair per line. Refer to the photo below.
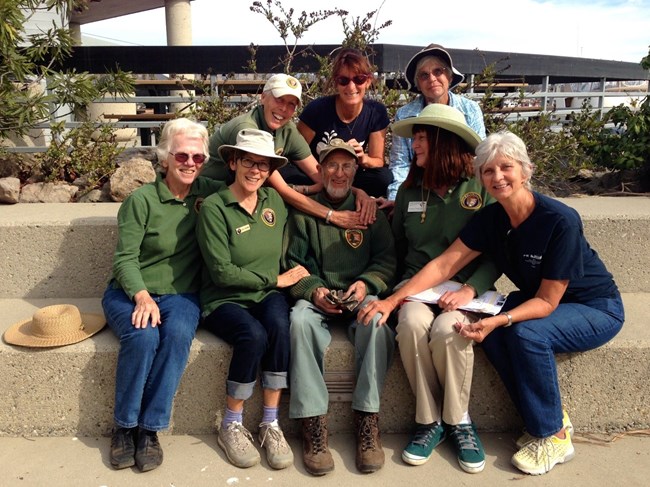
[370,454]
[315,452]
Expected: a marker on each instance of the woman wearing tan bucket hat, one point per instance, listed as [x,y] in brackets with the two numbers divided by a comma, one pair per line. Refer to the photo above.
[54,326]
[430,74]
[438,197]
[240,232]
[152,301]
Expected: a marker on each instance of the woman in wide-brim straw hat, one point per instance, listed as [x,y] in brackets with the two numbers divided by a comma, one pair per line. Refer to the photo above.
[152,301]
[433,204]
[240,233]
[430,74]
[567,299]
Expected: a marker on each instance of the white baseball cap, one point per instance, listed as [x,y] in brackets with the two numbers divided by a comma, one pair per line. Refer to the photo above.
[284,84]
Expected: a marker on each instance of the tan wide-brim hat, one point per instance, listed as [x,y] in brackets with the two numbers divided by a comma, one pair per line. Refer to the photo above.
[255,141]
[55,326]
[438,115]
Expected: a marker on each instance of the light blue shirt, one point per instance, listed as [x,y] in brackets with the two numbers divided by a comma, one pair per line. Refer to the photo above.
[401,152]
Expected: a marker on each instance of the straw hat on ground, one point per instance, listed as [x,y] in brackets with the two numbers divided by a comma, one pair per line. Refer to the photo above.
[442,116]
[54,326]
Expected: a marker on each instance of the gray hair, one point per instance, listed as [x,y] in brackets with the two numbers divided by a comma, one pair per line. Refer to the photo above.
[181,126]
[505,144]
[426,59]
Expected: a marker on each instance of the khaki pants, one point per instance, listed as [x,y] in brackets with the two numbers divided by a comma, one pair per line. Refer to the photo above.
[438,361]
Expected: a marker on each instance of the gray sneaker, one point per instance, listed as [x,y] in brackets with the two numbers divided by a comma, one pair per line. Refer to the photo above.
[237,442]
[278,451]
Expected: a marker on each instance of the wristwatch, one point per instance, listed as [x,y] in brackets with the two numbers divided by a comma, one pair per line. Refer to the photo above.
[509,316]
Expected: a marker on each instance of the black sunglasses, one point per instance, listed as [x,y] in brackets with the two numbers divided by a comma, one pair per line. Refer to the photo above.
[183,157]
[359,79]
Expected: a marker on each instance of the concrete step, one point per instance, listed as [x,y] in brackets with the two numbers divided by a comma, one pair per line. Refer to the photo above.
[68,390]
[54,250]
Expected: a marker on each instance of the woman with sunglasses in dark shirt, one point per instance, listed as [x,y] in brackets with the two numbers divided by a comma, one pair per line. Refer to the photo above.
[152,301]
[349,115]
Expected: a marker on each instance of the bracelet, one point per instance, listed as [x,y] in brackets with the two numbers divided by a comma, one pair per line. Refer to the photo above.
[328,216]
[474,293]
[509,316]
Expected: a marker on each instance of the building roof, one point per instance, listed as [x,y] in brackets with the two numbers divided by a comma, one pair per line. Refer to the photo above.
[109,9]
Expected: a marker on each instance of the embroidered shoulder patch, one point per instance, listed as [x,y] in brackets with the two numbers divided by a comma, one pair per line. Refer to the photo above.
[268,217]
[471,201]
[354,238]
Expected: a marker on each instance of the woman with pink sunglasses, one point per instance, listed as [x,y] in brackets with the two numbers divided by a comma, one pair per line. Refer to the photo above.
[350,115]
[152,301]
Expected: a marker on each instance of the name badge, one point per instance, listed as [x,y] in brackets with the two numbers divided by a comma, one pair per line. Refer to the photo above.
[416,206]
[243,229]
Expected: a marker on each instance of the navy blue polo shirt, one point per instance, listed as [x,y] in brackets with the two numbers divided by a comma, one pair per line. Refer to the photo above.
[549,244]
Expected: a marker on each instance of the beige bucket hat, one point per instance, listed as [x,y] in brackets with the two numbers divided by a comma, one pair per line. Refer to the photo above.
[255,141]
[54,326]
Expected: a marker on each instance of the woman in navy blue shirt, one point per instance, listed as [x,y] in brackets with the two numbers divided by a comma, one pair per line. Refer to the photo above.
[567,300]
[350,115]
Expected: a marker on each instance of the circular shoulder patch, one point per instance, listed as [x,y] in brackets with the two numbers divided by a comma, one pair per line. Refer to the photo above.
[471,201]
[268,217]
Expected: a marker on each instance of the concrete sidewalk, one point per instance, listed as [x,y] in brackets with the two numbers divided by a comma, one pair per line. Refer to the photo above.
[197,461]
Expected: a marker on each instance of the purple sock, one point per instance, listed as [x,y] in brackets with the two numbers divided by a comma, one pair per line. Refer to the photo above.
[269,415]
[231,416]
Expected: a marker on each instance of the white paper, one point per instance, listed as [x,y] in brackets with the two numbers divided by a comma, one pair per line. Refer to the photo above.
[490,302]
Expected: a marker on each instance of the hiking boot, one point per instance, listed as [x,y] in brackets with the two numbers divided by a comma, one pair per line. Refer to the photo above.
[370,454]
[527,437]
[315,452]
[422,443]
[123,448]
[469,450]
[278,451]
[540,455]
[149,454]
[237,442]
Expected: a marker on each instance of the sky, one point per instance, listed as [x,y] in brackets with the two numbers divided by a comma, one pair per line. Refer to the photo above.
[617,30]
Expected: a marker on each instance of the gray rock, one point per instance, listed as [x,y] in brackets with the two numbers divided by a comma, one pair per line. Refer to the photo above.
[48,193]
[9,190]
[130,176]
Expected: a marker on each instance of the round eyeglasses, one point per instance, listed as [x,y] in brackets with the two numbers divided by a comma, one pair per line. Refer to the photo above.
[183,157]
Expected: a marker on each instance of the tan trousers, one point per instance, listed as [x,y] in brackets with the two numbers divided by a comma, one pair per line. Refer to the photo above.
[438,361]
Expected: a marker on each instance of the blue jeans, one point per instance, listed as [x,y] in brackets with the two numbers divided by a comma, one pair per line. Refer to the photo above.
[259,336]
[151,360]
[524,354]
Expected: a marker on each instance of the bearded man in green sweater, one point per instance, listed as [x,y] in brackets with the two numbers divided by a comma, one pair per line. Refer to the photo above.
[347,269]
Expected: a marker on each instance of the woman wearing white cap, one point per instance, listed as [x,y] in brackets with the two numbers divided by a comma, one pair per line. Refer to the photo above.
[240,232]
[437,199]
[430,74]
[280,98]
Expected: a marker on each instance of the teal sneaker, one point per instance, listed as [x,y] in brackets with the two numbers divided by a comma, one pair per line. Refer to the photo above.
[422,443]
[469,449]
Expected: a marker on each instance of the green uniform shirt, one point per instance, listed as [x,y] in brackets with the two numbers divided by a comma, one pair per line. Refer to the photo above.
[288,141]
[156,248]
[241,251]
[336,257]
[419,242]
